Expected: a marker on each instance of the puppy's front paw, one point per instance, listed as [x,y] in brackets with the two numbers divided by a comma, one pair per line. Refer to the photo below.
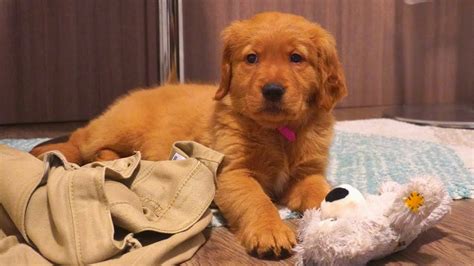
[305,200]
[272,240]
[306,194]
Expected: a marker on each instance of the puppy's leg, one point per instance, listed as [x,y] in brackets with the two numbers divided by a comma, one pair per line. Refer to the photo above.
[106,155]
[252,215]
[69,151]
[70,148]
[305,193]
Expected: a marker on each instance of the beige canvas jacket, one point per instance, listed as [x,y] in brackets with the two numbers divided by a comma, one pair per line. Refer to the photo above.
[127,211]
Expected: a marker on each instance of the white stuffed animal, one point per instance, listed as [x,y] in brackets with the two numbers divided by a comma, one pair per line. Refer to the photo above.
[349,229]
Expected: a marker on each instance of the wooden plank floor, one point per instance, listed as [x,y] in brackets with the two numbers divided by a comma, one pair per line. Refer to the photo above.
[449,243]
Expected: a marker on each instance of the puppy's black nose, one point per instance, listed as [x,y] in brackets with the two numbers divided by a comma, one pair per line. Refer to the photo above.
[273,92]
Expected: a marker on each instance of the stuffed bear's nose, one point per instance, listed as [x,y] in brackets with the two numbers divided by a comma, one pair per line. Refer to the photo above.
[336,194]
[273,92]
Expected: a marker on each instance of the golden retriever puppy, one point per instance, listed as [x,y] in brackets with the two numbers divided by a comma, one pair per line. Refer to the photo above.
[270,116]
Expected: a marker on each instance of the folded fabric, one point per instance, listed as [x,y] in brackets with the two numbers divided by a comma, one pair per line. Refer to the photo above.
[109,210]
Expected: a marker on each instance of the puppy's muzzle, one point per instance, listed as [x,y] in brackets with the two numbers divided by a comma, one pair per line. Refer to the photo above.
[273,92]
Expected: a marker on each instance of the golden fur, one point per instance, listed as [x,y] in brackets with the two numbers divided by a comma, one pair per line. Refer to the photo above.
[260,166]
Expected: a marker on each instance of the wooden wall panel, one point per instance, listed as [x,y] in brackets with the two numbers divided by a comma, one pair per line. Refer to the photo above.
[393,53]
[428,39]
[8,70]
[66,60]
[465,55]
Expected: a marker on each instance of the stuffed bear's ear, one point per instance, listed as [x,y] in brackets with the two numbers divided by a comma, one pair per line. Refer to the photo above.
[229,38]
[336,194]
[333,83]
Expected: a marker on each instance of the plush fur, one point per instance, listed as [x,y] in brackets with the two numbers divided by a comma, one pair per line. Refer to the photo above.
[353,229]
[260,165]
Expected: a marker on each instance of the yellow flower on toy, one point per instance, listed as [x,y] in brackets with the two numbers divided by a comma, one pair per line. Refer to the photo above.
[414,201]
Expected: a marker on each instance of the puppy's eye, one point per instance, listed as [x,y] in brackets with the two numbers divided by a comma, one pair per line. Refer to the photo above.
[252,58]
[296,58]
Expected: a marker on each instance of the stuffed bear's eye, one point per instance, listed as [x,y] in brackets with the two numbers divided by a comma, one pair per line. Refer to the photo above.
[296,58]
[252,58]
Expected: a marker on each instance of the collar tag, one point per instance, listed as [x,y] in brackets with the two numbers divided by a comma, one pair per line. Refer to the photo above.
[289,134]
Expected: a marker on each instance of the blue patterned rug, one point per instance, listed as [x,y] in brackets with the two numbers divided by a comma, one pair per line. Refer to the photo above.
[366,153]
[22,144]
[367,161]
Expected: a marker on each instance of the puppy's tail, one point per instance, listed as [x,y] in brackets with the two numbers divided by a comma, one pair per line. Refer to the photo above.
[173,75]
[69,149]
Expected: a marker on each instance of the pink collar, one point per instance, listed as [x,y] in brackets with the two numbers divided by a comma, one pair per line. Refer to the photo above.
[289,134]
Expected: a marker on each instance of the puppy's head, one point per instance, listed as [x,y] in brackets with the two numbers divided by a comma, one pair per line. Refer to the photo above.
[280,68]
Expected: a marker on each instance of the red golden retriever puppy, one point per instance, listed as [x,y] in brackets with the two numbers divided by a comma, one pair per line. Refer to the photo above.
[270,116]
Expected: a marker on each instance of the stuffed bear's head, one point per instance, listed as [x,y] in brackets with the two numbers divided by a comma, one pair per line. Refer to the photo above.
[349,229]
[343,201]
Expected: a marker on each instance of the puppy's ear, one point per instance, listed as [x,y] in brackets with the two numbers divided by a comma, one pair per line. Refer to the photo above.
[228,36]
[226,75]
[333,82]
